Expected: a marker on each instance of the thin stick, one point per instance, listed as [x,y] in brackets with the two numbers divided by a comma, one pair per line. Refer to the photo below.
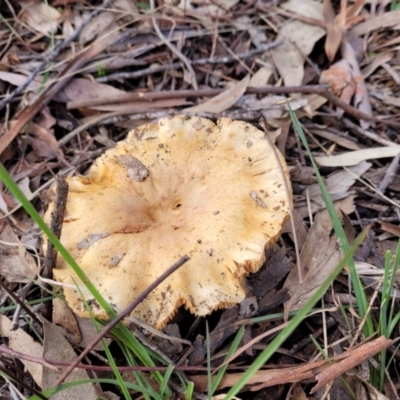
[52,56]
[201,61]
[22,382]
[50,261]
[123,314]
[177,94]
[181,56]
[322,90]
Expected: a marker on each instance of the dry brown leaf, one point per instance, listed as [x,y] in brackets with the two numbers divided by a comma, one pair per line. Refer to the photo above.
[245,23]
[355,157]
[335,138]
[201,10]
[224,100]
[261,77]
[16,264]
[79,331]
[377,61]
[300,40]
[338,185]
[97,25]
[21,342]
[19,79]
[298,393]
[41,17]
[307,8]
[339,77]
[393,229]
[43,141]
[333,31]
[361,98]
[389,100]
[80,89]
[64,318]
[289,57]
[319,257]
[56,347]
[251,102]
[379,22]
[289,62]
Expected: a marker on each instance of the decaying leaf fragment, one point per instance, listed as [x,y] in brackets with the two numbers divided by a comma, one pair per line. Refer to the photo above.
[212,191]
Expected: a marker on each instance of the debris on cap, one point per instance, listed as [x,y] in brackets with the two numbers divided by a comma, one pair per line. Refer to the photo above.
[181,186]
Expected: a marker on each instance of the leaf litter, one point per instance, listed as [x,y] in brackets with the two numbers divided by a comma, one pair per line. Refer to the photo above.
[244,56]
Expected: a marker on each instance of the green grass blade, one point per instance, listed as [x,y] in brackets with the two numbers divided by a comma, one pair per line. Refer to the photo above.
[221,372]
[165,381]
[189,391]
[339,231]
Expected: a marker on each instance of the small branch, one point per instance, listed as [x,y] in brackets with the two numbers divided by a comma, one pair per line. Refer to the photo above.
[178,94]
[19,302]
[181,56]
[321,90]
[50,261]
[21,382]
[122,315]
[53,364]
[201,61]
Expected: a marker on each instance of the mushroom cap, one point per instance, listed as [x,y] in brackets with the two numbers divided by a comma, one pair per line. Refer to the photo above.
[183,185]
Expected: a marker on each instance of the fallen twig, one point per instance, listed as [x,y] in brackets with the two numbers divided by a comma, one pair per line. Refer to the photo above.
[174,50]
[201,61]
[321,90]
[60,203]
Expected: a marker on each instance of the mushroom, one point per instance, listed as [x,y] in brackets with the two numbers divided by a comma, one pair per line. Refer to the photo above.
[183,185]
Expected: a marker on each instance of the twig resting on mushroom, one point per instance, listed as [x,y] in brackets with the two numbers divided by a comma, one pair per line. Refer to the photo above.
[122,315]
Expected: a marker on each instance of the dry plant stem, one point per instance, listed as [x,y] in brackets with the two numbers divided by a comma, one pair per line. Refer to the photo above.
[52,56]
[367,313]
[92,121]
[27,357]
[322,90]
[178,94]
[307,340]
[24,292]
[201,61]
[174,50]
[367,134]
[122,315]
[53,364]
[355,357]
[50,261]
[19,302]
